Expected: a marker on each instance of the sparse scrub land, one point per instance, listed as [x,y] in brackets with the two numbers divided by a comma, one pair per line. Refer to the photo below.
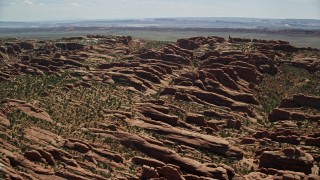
[288,82]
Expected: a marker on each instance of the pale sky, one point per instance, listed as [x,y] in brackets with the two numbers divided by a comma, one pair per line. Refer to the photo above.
[35,10]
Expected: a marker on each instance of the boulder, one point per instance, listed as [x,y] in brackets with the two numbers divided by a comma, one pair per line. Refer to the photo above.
[34,156]
[10,50]
[188,44]
[70,46]
[3,49]
[149,173]
[26,45]
[197,119]
[248,141]
[170,172]
[147,161]
[288,159]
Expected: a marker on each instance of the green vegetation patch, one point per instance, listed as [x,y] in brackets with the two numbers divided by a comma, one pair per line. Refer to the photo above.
[288,82]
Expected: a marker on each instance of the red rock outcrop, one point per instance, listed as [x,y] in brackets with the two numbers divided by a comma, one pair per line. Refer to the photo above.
[288,159]
[114,107]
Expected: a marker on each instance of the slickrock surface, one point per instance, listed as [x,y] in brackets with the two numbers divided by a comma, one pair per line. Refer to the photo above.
[114,107]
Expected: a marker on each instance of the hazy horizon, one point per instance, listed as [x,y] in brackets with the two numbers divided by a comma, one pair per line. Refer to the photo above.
[146,18]
[67,10]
